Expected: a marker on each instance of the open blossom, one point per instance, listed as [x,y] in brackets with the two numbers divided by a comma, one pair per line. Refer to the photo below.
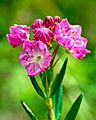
[17,34]
[35,57]
[69,36]
[66,33]
[43,34]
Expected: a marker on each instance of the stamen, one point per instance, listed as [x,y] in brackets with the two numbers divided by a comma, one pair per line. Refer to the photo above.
[31,61]
[73,33]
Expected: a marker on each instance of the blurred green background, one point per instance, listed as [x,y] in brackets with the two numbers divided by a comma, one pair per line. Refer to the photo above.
[80,76]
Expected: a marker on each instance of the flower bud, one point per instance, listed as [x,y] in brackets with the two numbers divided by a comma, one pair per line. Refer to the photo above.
[48,22]
[38,23]
[43,34]
[56,19]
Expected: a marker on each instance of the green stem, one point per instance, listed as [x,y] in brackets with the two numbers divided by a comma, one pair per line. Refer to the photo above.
[51,115]
[57,60]
[49,103]
[54,53]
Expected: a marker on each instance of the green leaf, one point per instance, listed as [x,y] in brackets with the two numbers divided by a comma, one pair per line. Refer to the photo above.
[58,103]
[28,111]
[71,115]
[37,88]
[49,75]
[59,78]
[43,78]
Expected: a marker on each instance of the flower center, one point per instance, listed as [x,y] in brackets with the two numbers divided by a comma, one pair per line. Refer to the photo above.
[38,58]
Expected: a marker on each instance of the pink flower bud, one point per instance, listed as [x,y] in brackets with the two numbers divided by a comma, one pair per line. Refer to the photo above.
[57,19]
[48,22]
[38,23]
[35,57]
[43,34]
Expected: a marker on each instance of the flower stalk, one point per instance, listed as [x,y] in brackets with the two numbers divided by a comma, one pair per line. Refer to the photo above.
[51,115]
[37,58]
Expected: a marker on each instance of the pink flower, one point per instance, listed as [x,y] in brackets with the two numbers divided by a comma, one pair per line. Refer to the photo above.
[65,32]
[17,34]
[38,23]
[48,22]
[35,57]
[69,36]
[43,34]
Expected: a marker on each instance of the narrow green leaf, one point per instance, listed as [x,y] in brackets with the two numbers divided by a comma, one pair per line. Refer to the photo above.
[59,79]
[49,75]
[37,88]
[58,103]
[44,79]
[71,115]
[28,111]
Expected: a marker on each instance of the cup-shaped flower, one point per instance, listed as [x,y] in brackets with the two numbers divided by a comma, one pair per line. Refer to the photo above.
[43,34]
[69,36]
[35,57]
[65,32]
[17,34]
[38,23]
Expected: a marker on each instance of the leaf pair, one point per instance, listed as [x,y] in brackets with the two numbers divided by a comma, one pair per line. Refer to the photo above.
[57,92]
[46,77]
[55,86]
[57,98]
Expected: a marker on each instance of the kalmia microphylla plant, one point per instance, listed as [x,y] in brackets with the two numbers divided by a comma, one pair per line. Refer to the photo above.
[38,56]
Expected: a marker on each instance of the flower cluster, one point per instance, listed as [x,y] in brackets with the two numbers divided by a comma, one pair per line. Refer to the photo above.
[35,55]
[44,29]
